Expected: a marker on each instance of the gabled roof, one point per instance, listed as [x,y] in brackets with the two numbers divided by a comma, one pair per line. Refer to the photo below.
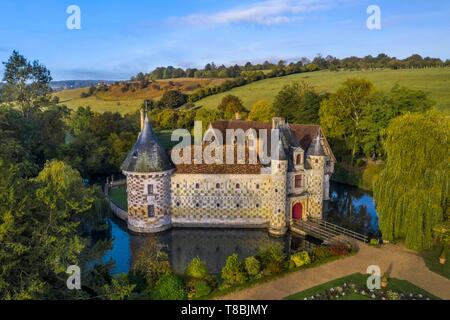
[308,137]
[147,155]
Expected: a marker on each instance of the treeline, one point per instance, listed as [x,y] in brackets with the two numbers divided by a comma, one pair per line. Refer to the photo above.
[211,70]
[49,214]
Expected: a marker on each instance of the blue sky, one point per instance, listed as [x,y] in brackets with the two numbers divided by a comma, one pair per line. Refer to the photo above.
[120,38]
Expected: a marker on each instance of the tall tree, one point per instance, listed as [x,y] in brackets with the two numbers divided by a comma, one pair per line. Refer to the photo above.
[412,192]
[27,83]
[261,111]
[341,114]
[299,103]
[230,106]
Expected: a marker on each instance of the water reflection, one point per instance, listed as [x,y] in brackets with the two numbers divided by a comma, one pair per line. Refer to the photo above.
[349,207]
[352,208]
[182,245]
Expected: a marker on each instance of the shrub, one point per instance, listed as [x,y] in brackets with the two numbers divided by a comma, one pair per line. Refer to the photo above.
[374,243]
[151,263]
[340,249]
[232,272]
[201,289]
[272,258]
[197,269]
[301,259]
[321,253]
[252,266]
[169,287]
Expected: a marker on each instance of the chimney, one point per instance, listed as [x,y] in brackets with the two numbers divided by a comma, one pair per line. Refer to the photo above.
[278,121]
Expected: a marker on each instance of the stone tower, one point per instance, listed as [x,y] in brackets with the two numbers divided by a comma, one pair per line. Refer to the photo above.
[279,168]
[148,170]
[316,158]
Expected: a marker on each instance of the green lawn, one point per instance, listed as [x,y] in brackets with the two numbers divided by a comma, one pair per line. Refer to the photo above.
[118,195]
[433,80]
[359,280]
[431,258]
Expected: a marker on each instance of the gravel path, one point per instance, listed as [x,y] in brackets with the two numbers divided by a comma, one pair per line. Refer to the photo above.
[404,265]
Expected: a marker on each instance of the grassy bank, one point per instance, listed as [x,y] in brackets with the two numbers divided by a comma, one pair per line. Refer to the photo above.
[431,258]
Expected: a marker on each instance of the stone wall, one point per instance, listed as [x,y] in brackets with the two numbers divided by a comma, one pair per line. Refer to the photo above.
[140,200]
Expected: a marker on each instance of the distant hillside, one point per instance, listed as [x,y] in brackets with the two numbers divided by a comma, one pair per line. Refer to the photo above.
[126,97]
[75,84]
[436,81]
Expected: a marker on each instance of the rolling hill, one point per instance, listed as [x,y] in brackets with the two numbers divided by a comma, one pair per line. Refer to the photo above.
[436,81]
[117,100]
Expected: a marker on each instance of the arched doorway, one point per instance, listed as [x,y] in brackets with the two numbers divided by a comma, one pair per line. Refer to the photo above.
[297,211]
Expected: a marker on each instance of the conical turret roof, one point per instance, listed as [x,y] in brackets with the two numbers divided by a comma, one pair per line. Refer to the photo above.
[316,148]
[147,155]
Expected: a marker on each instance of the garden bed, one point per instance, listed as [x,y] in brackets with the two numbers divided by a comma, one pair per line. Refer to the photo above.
[354,287]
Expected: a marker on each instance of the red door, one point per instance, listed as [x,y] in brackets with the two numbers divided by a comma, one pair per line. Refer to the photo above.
[297,211]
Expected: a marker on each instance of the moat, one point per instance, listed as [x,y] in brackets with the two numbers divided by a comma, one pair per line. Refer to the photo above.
[349,207]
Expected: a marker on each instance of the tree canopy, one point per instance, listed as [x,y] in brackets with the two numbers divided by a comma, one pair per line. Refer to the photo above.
[298,103]
[261,111]
[412,192]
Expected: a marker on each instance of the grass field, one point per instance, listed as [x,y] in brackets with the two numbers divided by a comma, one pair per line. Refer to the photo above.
[436,81]
[115,100]
[118,195]
[431,258]
[400,286]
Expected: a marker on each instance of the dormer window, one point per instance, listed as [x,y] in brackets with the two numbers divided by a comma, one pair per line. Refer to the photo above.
[299,160]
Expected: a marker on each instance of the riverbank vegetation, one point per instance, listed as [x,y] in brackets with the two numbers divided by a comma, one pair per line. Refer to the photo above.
[152,277]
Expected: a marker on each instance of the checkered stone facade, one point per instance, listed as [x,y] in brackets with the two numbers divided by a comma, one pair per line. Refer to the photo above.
[149,201]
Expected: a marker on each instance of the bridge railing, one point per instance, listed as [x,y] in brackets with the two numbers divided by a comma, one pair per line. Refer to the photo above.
[341,230]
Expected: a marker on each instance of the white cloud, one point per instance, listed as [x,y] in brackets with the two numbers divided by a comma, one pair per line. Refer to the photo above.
[268,12]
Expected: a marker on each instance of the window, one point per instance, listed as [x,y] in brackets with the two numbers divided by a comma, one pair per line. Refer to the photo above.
[178,186]
[298,181]
[197,186]
[299,160]
[257,205]
[217,185]
[178,204]
[257,186]
[150,189]
[238,186]
[151,211]
[218,205]
[197,205]
[238,205]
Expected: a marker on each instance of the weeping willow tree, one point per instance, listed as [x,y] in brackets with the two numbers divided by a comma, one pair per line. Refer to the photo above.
[412,191]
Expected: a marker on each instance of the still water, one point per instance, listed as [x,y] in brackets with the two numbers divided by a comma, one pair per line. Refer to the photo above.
[349,207]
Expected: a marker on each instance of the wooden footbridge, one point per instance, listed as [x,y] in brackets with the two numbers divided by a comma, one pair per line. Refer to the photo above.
[326,231]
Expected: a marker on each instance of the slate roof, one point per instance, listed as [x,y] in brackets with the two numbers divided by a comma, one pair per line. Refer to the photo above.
[147,155]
